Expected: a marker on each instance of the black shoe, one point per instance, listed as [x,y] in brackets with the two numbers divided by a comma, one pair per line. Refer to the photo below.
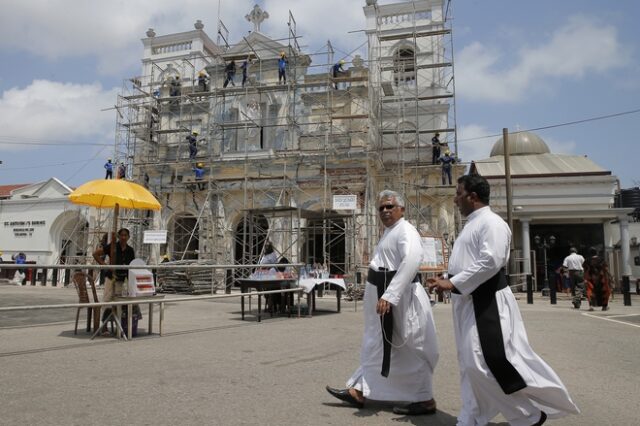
[344,395]
[543,418]
[417,408]
[576,305]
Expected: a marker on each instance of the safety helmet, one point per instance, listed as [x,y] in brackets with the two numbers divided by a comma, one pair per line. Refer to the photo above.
[108,159]
[447,152]
[195,133]
[201,74]
[200,164]
[341,61]
[282,54]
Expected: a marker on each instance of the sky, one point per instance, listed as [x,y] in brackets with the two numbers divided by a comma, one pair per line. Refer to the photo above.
[518,65]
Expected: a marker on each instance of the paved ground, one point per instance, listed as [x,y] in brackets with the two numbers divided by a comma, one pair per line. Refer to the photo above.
[212,368]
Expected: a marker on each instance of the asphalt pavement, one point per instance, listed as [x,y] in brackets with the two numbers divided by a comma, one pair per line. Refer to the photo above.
[210,367]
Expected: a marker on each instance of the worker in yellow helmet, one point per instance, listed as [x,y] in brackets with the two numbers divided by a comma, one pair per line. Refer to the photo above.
[282,68]
[337,71]
[202,81]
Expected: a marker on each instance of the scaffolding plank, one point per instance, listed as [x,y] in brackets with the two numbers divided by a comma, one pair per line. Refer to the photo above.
[394,132]
[406,35]
[418,98]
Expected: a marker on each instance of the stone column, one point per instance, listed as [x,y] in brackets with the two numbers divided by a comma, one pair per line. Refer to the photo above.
[626,268]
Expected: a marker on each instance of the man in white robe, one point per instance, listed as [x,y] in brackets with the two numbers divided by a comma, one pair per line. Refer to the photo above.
[499,371]
[395,299]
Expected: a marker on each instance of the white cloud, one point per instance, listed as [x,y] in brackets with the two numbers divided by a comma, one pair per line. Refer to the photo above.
[319,21]
[51,111]
[584,45]
[109,30]
[473,143]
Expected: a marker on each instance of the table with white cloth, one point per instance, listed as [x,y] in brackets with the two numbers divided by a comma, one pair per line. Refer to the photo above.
[310,284]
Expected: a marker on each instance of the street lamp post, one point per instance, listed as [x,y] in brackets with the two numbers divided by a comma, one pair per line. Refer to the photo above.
[542,243]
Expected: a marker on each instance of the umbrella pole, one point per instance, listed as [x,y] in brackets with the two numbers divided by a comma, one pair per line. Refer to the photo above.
[114,241]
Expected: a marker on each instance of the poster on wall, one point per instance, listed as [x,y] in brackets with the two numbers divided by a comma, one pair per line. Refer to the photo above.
[155,237]
[433,256]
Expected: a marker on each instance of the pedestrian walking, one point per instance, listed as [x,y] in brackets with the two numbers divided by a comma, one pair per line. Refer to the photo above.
[597,281]
[399,348]
[573,263]
[499,371]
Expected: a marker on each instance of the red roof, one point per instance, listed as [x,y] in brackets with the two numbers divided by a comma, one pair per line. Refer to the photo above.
[5,190]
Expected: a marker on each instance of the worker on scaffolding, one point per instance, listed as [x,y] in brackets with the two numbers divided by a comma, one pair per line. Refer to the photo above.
[447,160]
[230,71]
[174,86]
[203,80]
[108,166]
[337,71]
[193,144]
[436,145]
[198,170]
[245,69]
[122,171]
[282,68]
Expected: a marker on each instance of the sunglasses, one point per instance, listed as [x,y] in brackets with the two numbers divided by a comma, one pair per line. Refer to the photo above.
[386,207]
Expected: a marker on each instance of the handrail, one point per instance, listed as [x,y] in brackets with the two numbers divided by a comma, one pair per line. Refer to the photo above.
[156,267]
[132,301]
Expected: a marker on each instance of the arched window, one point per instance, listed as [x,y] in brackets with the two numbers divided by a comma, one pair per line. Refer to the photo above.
[404,69]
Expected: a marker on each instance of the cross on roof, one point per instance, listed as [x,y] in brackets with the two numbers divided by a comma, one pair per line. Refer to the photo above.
[256,16]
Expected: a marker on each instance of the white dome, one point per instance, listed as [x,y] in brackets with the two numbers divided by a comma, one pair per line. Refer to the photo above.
[521,143]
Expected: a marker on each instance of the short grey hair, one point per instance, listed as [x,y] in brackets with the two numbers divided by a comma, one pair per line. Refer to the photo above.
[387,193]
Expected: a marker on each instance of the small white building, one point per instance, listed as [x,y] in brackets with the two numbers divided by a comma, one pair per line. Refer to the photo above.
[567,197]
[39,220]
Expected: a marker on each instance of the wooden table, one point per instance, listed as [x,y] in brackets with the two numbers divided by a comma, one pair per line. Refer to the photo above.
[266,285]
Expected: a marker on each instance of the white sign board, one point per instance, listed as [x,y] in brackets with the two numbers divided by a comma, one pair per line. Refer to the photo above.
[155,237]
[345,202]
[432,254]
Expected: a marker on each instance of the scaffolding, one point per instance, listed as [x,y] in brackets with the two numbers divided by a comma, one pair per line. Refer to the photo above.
[277,152]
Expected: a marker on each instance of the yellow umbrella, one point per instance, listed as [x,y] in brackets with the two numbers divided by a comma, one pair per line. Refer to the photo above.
[109,193]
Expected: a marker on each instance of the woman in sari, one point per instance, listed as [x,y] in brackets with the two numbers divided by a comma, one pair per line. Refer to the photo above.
[597,280]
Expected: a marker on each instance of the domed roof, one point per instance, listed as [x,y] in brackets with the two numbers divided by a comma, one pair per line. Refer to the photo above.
[521,143]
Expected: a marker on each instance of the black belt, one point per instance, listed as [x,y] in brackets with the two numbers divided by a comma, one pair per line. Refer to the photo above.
[485,308]
[381,279]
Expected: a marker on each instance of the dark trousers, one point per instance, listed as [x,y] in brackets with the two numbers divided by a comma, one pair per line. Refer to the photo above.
[109,174]
[282,75]
[435,154]
[229,79]
[446,173]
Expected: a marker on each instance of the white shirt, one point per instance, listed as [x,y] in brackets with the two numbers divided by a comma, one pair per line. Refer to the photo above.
[400,250]
[271,258]
[573,262]
[481,249]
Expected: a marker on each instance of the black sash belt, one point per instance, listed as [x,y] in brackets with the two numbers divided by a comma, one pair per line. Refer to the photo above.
[487,316]
[381,279]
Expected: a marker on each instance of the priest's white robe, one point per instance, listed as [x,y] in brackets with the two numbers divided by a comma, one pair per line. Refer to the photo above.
[414,351]
[480,251]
